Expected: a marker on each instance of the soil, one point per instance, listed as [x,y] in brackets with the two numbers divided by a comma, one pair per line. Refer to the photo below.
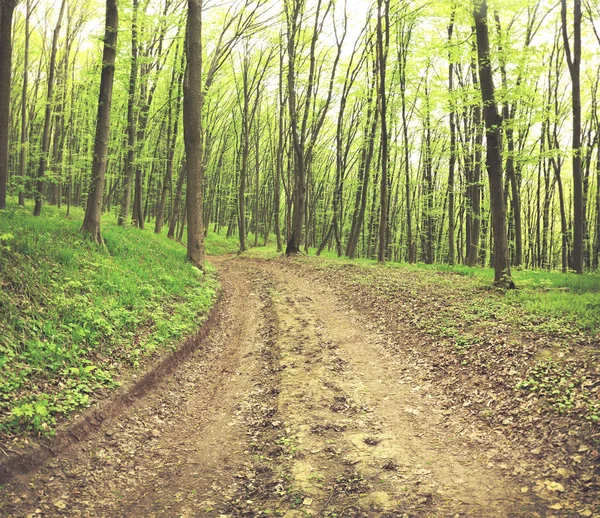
[293,405]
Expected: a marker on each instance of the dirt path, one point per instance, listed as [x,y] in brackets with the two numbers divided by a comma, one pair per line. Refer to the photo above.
[292,407]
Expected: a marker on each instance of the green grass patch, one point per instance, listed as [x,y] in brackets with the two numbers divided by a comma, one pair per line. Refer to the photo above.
[74,315]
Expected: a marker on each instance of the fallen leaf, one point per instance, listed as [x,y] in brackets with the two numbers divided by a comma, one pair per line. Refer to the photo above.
[60,504]
[307,501]
[524,489]
[557,506]
[554,486]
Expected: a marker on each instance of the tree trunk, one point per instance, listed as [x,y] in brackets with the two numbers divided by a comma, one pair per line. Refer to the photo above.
[192,128]
[177,202]
[7,9]
[574,62]
[23,150]
[48,116]
[382,47]
[452,162]
[91,221]
[131,118]
[502,276]
[279,164]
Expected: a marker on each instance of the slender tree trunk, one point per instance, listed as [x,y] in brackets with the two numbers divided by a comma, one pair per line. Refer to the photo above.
[177,201]
[502,275]
[172,132]
[367,151]
[91,221]
[299,188]
[23,150]
[280,144]
[382,47]
[131,119]
[192,127]
[48,115]
[7,8]
[574,62]
[596,251]
[452,162]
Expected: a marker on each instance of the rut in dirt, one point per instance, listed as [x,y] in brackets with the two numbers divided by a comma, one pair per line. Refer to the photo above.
[293,407]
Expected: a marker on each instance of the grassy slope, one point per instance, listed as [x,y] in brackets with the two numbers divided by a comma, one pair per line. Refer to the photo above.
[73,315]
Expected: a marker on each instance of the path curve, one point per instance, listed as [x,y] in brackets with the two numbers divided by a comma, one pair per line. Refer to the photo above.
[291,407]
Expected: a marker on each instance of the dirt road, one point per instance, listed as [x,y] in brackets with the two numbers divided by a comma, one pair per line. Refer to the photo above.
[291,407]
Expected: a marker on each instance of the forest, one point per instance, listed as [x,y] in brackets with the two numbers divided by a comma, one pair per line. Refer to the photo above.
[390,219]
[359,130]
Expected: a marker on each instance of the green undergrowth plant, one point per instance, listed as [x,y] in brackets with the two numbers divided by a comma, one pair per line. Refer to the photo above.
[75,315]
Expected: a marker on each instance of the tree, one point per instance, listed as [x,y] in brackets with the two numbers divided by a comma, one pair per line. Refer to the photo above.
[574,62]
[452,162]
[192,130]
[131,117]
[23,151]
[91,221]
[48,115]
[7,8]
[304,136]
[383,16]
[502,275]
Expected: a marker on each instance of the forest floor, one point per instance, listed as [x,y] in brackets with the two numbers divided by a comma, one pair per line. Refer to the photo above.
[329,390]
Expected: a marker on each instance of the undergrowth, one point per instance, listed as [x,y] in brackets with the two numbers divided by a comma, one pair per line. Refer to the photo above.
[74,315]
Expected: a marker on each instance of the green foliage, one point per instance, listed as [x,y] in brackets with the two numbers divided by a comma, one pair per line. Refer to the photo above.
[74,315]
[563,387]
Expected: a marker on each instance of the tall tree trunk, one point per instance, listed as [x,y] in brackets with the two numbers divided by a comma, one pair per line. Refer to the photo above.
[91,221]
[364,172]
[7,9]
[502,275]
[452,162]
[23,150]
[192,128]
[280,144]
[48,115]
[172,133]
[382,48]
[574,62]
[299,188]
[131,120]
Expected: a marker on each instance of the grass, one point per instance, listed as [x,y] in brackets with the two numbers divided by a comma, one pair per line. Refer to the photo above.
[74,315]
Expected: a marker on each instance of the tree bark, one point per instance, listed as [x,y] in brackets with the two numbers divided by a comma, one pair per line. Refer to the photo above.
[7,9]
[382,47]
[574,62]
[23,150]
[131,117]
[192,128]
[502,275]
[48,116]
[91,221]
[452,161]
